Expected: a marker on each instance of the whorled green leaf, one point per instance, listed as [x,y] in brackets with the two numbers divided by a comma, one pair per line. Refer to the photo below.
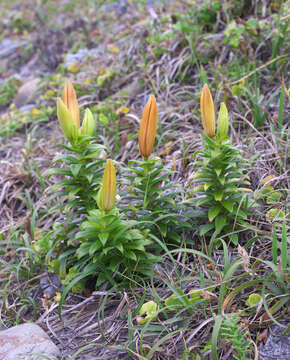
[218,195]
[228,204]
[213,212]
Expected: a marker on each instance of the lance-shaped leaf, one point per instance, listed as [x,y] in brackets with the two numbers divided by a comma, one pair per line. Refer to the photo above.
[148,127]
[69,98]
[207,112]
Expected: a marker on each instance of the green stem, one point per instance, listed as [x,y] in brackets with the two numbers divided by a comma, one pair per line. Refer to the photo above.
[147,175]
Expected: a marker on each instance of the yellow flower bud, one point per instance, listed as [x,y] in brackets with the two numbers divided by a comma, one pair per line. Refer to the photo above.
[65,119]
[223,123]
[88,124]
[69,98]
[148,127]
[207,112]
[107,194]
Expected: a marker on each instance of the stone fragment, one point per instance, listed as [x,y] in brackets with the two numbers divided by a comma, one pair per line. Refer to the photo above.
[50,285]
[25,92]
[8,46]
[80,56]
[119,7]
[277,347]
[26,339]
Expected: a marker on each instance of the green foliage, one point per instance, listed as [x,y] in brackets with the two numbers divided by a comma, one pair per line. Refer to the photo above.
[253,299]
[8,91]
[221,172]
[83,170]
[279,35]
[234,34]
[148,311]
[197,19]
[73,196]
[151,198]
[232,332]
[112,248]
[179,300]
[232,42]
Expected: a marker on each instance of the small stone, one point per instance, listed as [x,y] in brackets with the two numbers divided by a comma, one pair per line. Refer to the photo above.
[8,46]
[119,7]
[26,339]
[50,285]
[79,57]
[27,108]
[26,92]
[277,347]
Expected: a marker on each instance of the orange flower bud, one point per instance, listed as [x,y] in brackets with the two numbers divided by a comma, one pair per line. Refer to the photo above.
[69,98]
[148,127]
[107,193]
[207,112]
[65,119]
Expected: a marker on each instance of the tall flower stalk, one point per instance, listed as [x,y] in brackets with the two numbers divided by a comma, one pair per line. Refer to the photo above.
[111,248]
[149,194]
[223,184]
[80,169]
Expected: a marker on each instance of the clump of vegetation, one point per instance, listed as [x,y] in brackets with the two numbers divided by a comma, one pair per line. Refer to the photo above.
[178,249]
[223,176]
[82,167]
[150,195]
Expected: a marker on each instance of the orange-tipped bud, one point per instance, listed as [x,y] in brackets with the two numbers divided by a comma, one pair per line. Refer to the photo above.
[107,194]
[65,119]
[207,112]
[69,98]
[148,127]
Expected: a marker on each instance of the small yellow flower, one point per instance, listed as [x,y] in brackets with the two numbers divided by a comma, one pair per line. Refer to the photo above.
[207,112]
[148,127]
[57,297]
[107,194]
[69,98]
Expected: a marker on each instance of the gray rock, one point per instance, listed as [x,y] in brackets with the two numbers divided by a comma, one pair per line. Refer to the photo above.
[277,347]
[50,284]
[79,56]
[24,339]
[8,46]
[26,92]
[26,108]
[119,7]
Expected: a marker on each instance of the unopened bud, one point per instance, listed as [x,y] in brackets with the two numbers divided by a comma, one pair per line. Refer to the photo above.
[223,123]
[88,124]
[207,112]
[107,194]
[148,127]
[69,98]
[65,120]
